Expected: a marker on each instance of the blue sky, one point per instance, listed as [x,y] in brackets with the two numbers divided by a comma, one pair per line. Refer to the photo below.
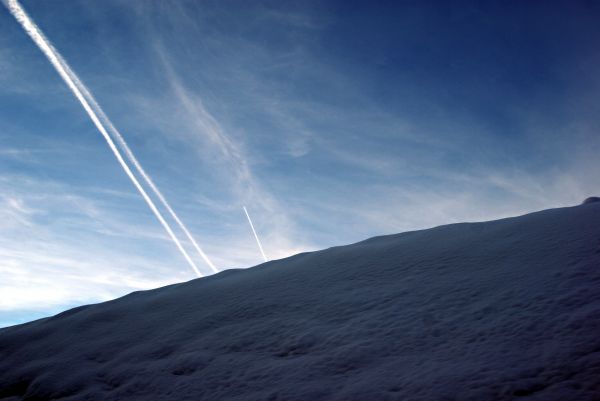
[331,121]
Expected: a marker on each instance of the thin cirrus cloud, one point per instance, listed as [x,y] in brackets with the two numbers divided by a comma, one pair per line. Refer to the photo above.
[58,242]
[199,127]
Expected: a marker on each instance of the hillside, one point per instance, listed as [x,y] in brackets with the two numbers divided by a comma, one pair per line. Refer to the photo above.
[500,310]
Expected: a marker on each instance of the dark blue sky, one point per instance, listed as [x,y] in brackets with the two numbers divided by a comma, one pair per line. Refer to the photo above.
[331,121]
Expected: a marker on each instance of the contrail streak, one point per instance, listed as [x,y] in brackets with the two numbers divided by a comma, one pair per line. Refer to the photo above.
[129,154]
[156,191]
[255,235]
[66,74]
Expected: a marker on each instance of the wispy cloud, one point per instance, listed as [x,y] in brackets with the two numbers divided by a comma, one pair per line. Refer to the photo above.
[227,156]
[54,250]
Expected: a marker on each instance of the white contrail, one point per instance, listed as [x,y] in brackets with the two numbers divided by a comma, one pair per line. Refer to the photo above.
[255,235]
[60,65]
[129,154]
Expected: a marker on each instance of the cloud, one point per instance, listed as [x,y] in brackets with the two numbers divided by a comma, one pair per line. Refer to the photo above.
[185,118]
[30,278]
[246,187]
[62,246]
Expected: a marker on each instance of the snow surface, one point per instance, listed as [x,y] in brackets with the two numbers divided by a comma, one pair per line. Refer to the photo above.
[501,310]
[591,199]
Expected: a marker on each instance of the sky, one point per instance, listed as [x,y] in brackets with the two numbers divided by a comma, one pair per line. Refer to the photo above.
[331,121]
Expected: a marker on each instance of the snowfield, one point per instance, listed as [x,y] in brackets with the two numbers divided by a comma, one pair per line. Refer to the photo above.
[500,310]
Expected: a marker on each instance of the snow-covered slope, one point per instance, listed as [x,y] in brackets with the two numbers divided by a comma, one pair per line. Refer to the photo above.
[507,309]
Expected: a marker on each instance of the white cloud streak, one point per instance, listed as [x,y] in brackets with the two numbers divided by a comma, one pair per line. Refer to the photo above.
[129,154]
[67,75]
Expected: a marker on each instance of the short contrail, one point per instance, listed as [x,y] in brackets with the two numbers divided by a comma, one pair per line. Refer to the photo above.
[67,75]
[255,235]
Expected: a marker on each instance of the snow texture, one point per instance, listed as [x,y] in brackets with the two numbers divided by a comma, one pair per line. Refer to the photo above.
[501,310]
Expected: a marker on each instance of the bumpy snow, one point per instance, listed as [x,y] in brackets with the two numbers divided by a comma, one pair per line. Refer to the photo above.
[501,310]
